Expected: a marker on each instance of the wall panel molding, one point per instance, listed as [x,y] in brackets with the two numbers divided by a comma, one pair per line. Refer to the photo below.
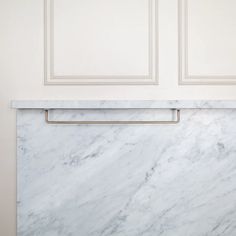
[185,75]
[86,79]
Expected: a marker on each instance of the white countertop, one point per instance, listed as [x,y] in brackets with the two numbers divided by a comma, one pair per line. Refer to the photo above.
[122,104]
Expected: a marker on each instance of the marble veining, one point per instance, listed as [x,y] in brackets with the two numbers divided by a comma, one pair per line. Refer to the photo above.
[163,180]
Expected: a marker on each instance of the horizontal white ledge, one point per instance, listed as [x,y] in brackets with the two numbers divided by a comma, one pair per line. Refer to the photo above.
[122,104]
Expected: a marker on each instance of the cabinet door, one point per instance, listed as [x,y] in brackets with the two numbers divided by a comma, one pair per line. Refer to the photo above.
[127,180]
[207,41]
[101,42]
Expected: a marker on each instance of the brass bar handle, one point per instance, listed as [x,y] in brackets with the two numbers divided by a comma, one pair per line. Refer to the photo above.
[115,122]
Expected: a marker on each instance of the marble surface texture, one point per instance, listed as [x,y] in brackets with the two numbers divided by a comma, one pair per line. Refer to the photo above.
[163,180]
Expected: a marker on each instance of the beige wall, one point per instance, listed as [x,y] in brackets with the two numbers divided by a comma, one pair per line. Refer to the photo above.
[21,77]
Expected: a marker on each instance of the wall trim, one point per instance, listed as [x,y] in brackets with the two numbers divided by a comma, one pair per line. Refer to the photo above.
[184,77]
[152,78]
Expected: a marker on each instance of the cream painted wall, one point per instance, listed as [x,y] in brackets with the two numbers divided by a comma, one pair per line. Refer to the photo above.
[21,77]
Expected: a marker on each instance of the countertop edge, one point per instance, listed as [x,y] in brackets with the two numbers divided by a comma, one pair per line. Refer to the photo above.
[123,104]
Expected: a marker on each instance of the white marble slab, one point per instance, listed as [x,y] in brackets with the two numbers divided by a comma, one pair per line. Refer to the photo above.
[181,104]
[173,180]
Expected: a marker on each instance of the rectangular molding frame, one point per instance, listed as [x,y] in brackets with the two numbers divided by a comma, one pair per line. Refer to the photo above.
[51,79]
[184,77]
